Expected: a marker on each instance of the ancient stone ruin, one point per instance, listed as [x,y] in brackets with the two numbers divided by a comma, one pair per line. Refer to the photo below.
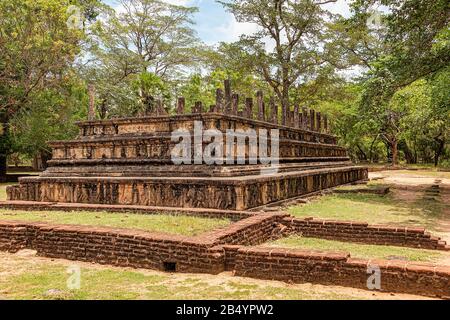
[130,161]
[130,165]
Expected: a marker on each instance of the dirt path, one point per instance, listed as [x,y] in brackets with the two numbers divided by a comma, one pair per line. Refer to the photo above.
[421,185]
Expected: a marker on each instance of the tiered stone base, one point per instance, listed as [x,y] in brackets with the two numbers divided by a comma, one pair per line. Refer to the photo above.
[129,162]
[230,193]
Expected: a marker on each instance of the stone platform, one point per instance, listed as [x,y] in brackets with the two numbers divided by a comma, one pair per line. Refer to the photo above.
[129,162]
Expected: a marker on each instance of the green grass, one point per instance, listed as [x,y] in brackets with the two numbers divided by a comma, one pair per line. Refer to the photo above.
[372,208]
[182,225]
[40,278]
[363,251]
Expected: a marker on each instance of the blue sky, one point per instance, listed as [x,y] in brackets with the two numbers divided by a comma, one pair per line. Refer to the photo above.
[214,24]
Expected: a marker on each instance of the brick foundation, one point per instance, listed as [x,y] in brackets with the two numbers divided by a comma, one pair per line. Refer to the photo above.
[221,250]
[300,266]
[119,247]
[364,233]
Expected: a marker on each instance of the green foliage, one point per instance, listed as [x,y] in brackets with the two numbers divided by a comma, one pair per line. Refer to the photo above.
[51,115]
[37,49]
[136,50]
[149,51]
[297,30]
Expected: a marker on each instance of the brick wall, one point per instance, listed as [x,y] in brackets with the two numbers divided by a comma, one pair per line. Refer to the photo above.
[120,247]
[361,232]
[338,269]
[205,254]
[251,231]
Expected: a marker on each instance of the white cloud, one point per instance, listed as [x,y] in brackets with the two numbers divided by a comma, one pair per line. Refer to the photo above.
[340,7]
[232,29]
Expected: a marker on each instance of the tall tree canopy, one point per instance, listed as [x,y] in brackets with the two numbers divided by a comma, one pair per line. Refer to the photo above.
[146,41]
[36,50]
[287,49]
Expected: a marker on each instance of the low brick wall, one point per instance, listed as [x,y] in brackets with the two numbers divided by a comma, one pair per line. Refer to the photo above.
[251,231]
[361,232]
[120,247]
[208,254]
[338,269]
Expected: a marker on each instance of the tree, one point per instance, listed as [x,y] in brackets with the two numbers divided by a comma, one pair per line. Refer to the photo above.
[51,115]
[149,38]
[36,49]
[297,30]
[416,46]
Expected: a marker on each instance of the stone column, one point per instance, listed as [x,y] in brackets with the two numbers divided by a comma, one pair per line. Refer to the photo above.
[296,116]
[91,112]
[180,105]
[312,120]
[260,104]
[249,108]
[227,86]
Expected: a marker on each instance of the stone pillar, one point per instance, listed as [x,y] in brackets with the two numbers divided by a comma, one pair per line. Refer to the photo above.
[305,118]
[198,107]
[235,104]
[260,104]
[325,123]
[249,108]
[296,116]
[219,100]
[91,111]
[312,120]
[227,86]
[181,105]
[319,122]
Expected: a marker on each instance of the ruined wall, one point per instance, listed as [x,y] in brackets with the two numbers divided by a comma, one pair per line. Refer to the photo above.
[119,247]
[361,232]
[204,254]
[338,269]
[251,231]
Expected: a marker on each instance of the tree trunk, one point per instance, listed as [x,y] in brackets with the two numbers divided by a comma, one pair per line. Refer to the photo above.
[438,152]
[394,147]
[409,156]
[285,104]
[3,168]
[362,155]
[4,148]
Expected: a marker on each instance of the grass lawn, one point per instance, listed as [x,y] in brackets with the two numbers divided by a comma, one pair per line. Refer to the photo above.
[362,251]
[182,225]
[372,208]
[41,278]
